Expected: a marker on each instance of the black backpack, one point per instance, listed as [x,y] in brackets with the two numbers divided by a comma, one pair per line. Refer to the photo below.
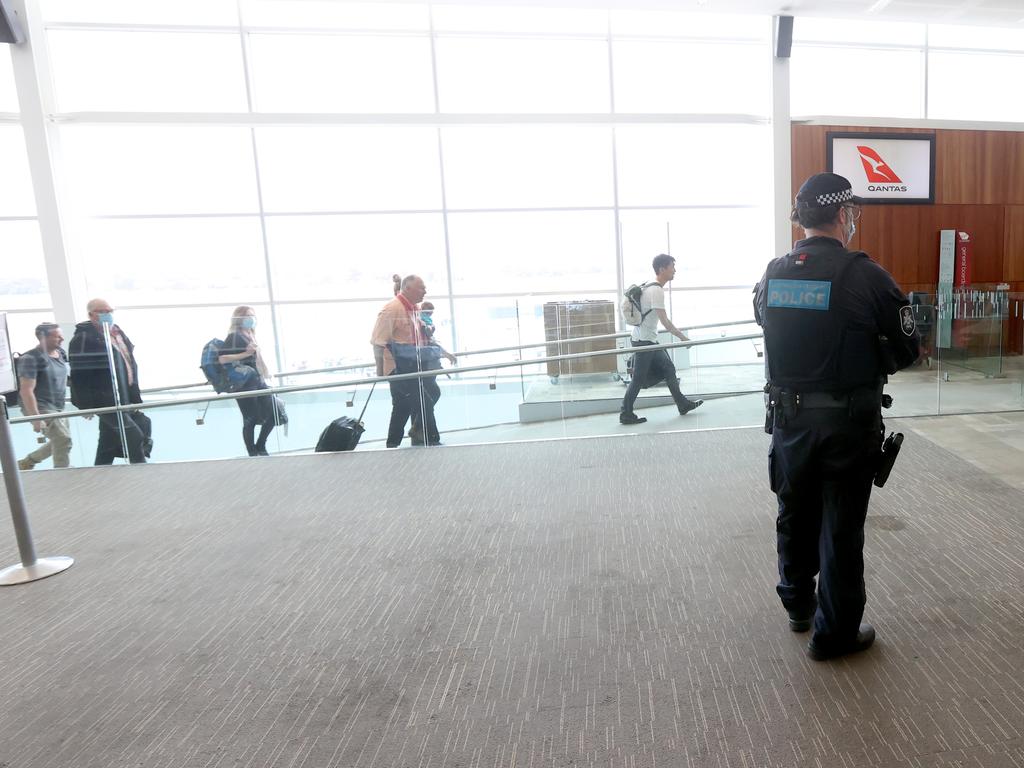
[11,398]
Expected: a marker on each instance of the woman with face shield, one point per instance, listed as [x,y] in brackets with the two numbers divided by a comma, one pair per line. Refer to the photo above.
[246,372]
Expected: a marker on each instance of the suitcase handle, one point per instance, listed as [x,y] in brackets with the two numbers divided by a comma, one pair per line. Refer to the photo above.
[367,402]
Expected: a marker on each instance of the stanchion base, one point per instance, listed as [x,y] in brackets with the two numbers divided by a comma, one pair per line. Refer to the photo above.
[44,566]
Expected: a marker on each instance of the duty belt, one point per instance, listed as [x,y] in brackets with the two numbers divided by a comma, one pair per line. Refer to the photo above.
[822,400]
[781,395]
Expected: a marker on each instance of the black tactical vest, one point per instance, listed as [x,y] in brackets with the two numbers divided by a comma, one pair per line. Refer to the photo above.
[811,344]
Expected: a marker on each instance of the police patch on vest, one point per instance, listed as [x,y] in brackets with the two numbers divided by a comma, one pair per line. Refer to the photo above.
[907,320]
[799,294]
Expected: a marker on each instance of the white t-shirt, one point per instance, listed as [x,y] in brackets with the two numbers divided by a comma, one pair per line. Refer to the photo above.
[651,300]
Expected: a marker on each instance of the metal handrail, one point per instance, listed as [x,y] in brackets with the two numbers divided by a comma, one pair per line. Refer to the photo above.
[372,380]
[356,367]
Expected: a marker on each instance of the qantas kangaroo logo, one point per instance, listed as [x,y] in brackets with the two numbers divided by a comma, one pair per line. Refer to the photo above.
[876,169]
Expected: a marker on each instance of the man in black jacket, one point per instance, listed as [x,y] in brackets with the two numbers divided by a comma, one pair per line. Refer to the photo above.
[98,342]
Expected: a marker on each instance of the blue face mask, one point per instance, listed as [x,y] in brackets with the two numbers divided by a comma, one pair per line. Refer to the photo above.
[248,322]
[105,318]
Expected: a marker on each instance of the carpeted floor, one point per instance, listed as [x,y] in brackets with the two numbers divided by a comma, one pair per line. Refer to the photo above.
[598,602]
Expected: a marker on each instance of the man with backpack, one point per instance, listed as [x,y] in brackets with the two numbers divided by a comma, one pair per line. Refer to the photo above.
[644,312]
[42,383]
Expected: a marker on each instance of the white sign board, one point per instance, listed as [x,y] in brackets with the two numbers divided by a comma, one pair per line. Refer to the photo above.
[8,376]
[885,167]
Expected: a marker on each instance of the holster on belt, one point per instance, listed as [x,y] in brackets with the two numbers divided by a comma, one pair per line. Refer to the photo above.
[781,404]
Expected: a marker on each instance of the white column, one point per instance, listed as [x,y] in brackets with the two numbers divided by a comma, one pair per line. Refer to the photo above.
[781,153]
[35,97]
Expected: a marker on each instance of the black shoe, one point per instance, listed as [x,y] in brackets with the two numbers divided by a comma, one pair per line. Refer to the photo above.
[865,637]
[631,418]
[800,621]
[690,405]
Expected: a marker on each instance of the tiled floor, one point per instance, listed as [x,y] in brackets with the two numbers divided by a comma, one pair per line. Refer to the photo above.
[993,442]
[588,603]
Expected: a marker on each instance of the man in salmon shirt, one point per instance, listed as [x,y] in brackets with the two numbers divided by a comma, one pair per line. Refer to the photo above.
[398,328]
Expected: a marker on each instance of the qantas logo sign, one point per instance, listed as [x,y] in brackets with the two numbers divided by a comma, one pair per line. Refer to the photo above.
[881,178]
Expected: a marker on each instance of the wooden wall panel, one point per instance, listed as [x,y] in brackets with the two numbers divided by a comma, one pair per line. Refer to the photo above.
[985,225]
[1013,244]
[1014,162]
[971,167]
[979,188]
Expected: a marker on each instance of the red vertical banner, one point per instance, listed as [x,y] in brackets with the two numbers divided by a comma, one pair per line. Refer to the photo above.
[962,270]
[961,292]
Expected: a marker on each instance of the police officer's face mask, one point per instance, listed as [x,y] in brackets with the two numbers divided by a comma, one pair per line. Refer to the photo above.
[850,228]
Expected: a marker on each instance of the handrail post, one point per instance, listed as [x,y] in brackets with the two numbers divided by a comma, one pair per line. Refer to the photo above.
[30,568]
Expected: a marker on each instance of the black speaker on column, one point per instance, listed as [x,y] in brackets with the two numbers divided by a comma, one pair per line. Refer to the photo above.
[10,25]
[783,36]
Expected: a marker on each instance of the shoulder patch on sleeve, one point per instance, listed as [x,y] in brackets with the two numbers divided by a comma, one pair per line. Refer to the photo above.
[907,320]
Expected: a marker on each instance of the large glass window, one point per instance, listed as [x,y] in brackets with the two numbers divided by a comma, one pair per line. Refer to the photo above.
[23,283]
[694,26]
[341,73]
[522,75]
[160,170]
[316,14]
[169,341]
[528,166]
[349,169]
[868,82]
[212,12]
[326,335]
[520,20]
[811,29]
[8,93]
[530,252]
[953,86]
[671,76]
[174,260]
[16,195]
[707,165]
[177,224]
[712,247]
[349,256]
[147,71]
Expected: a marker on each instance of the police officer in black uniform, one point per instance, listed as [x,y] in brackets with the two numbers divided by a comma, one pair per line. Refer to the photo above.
[835,323]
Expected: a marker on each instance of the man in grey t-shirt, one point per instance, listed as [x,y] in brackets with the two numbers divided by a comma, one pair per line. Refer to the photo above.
[652,367]
[43,381]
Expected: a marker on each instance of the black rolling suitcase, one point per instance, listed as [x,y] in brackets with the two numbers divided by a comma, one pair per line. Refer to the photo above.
[343,434]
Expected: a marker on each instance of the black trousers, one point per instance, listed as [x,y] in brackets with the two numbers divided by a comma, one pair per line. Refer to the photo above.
[821,465]
[137,430]
[409,397]
[649,368]
[431,390]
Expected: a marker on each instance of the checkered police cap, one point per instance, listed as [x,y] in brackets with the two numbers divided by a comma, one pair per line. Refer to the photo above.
[824,189]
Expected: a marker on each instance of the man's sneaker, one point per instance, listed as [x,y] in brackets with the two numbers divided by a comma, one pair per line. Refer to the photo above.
[26,463]
[861,642]
[631,418]
[690,405]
